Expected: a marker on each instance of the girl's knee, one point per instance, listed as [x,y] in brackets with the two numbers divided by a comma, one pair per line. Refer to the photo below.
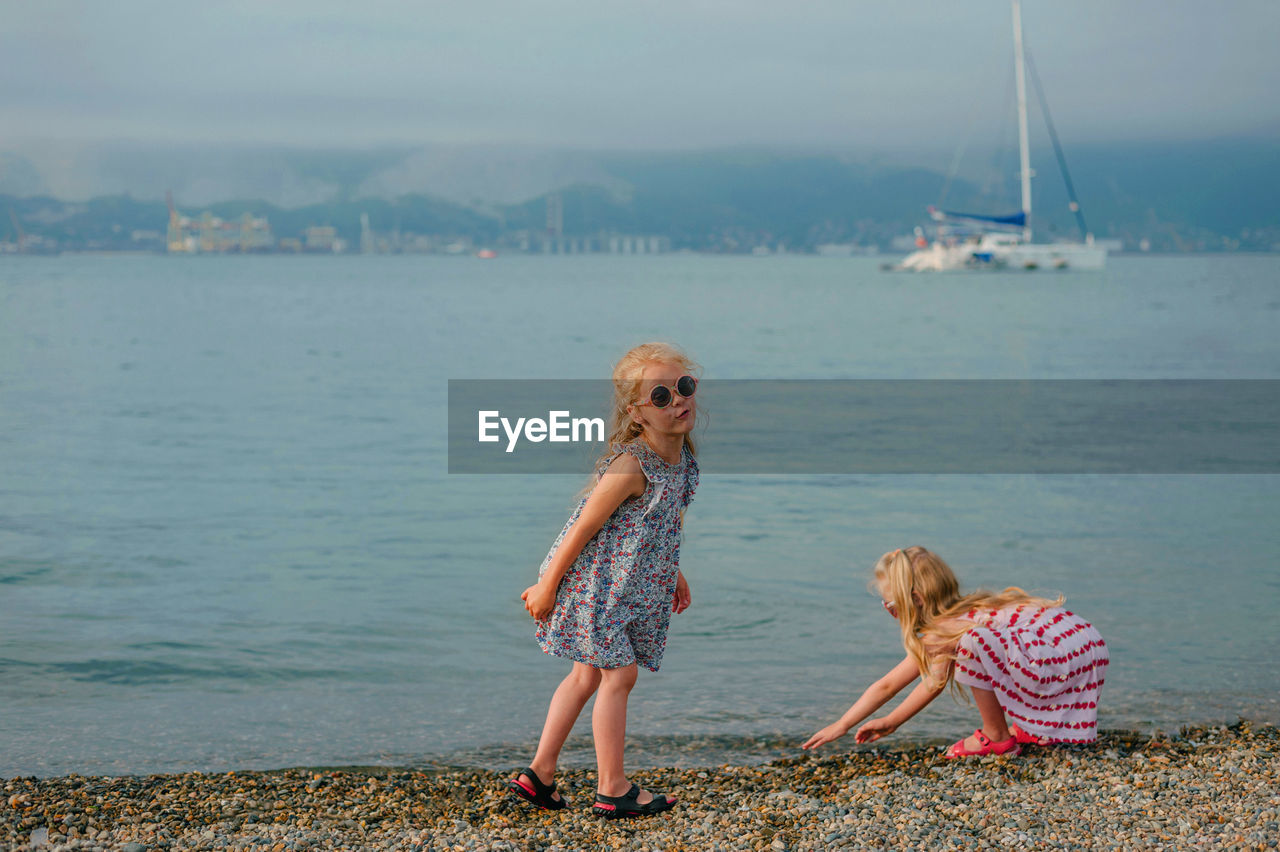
[585,676]
[619,678]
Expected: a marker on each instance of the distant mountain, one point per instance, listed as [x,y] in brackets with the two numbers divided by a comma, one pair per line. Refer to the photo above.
[1224,188]
[292,177]
[1177,196]
[726,200]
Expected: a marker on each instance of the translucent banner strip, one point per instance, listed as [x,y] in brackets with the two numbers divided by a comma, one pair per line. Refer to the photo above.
[888,426]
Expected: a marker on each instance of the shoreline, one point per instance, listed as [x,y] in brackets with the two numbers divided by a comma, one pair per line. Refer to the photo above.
[1214,786]
[678,754]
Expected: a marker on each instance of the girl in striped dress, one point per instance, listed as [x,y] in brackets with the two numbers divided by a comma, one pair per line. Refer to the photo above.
[1035,669]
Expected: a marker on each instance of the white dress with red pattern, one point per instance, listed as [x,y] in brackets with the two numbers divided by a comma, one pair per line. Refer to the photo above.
[1046,666]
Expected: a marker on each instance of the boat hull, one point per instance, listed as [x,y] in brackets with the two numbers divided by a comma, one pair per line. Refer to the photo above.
[1030,256]
[940,257]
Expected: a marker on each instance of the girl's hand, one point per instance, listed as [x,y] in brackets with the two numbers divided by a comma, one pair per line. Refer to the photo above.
[830,733]
[874,730]
[540,601]
[681,599]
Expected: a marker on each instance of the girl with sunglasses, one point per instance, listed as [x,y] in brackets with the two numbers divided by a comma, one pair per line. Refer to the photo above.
[612,579]
[1035,669]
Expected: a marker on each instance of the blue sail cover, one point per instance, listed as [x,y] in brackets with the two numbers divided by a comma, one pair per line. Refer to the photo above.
[1015,220]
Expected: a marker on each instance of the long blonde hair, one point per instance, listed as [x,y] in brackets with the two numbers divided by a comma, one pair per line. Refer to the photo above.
[628,375]
[924,591]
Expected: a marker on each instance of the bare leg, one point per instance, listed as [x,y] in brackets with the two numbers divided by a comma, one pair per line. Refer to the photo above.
[994,725]
[609,726]
[566,705]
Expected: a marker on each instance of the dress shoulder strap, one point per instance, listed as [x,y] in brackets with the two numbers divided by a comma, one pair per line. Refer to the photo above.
[603,465]
[691,478]
[654,467]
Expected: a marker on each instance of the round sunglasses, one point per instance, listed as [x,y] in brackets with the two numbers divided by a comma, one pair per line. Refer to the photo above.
[661,395]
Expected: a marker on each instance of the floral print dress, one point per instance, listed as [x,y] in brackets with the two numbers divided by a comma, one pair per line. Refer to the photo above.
[613,605]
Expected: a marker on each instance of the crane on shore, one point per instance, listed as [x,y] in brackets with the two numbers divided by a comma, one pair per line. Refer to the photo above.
[21,241]
[176,239]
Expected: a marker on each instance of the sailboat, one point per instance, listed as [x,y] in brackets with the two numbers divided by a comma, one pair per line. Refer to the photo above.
[971,241]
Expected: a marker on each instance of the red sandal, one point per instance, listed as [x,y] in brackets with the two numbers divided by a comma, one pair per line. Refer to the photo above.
[1007,747]
[1024,738]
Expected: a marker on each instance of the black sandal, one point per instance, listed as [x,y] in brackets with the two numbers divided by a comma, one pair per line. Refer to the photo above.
[623,807]
[539,793]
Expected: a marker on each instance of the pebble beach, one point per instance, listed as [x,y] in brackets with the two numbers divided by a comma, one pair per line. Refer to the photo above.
[1209,788]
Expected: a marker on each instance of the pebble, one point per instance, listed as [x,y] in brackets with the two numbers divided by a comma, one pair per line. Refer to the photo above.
[1208,787]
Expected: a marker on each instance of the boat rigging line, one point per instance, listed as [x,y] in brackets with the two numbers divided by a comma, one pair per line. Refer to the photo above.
[1057,150]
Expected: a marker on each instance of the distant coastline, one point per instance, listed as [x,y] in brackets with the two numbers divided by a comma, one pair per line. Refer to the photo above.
[468,255]
[1182,197]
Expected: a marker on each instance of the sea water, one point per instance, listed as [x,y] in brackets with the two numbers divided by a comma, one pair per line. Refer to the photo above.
[229,540]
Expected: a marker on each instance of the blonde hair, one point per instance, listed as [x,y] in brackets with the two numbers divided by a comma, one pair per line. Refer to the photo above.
[927,597]
[628,375]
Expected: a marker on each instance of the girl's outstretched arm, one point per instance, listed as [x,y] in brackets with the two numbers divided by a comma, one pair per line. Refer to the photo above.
[910,706]
[624,478]
[871,701]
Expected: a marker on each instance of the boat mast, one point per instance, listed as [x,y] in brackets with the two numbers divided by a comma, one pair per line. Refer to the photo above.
[1024,148]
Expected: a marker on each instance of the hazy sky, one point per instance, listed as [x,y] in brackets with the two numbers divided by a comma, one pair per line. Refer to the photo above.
[605,74]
